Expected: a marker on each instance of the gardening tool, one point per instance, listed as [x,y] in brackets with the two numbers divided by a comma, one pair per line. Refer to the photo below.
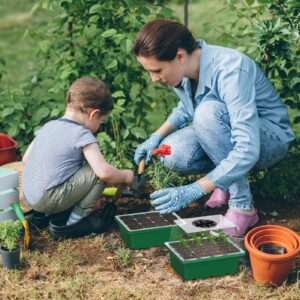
[18,210]
[139,181]
[138,186]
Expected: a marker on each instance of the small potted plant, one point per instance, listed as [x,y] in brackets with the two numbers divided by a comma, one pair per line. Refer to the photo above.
[148,229]
[201,255]
[10,233]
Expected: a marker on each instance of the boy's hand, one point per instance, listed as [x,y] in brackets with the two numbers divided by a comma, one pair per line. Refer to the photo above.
[146,148]
[173,199]
[128,176]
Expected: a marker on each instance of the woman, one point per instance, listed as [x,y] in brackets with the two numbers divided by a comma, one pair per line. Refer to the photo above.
[228,121]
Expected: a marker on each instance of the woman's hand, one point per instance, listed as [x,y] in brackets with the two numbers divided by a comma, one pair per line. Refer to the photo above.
[174,199]
[146,148]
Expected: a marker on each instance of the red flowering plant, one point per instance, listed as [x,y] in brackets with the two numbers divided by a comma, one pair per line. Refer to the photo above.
[163,150]
[160,177]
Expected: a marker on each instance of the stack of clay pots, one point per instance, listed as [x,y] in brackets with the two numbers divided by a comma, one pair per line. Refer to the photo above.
[272,269]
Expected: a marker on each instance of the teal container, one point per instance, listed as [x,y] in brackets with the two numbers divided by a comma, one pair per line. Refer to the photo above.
[210,266]
[148,237]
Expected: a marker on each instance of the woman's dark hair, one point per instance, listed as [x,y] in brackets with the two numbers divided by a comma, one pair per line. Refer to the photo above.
[90,92]
[162,38]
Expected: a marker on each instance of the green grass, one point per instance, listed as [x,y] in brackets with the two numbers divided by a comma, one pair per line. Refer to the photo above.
[207,20]
[18,50]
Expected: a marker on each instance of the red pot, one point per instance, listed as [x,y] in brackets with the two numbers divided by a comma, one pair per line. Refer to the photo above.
[7,149]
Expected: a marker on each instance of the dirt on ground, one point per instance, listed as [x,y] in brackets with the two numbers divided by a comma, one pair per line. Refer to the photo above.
[103,267]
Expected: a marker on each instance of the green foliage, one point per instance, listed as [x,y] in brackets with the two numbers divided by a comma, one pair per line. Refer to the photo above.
[10,232]
[271,29]
[198,237]
[124,257]
[87,38]
[160,177]
[282,182]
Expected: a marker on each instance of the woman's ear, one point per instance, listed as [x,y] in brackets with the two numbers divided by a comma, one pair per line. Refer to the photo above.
[181,54]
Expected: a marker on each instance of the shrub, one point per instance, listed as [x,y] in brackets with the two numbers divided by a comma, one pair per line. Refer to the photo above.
[88,38]
[270,33]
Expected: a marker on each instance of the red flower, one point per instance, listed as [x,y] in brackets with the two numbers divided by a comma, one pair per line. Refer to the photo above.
[163,150]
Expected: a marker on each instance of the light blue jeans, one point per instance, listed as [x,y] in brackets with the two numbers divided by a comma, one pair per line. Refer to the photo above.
[198,148]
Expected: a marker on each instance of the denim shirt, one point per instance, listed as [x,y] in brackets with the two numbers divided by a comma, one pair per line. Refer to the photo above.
[233,78]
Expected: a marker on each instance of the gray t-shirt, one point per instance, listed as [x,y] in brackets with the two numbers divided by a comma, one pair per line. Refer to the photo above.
[55,156]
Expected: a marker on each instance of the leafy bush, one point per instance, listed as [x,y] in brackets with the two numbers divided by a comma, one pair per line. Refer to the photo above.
[282,182]
[270,33]
[10,232]
[88,38]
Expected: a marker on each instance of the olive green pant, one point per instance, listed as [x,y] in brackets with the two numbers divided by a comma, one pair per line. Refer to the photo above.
[80,191]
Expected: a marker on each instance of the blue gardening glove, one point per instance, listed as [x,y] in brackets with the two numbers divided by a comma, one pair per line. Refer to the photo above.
[146,148]
[173,199]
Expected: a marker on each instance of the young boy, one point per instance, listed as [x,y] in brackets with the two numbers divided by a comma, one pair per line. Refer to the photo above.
[64,168]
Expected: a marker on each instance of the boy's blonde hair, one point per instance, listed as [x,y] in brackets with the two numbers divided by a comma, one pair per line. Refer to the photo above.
[89,92]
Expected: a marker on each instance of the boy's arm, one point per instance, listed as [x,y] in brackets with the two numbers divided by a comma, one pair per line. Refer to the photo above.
[27,152]
[103,169]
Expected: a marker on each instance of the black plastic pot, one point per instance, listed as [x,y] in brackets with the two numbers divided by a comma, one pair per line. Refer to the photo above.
[11,259]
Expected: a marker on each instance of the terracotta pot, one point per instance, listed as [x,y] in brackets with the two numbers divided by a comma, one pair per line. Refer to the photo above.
[270,229]
[291,240]
[272,269]
[273,240]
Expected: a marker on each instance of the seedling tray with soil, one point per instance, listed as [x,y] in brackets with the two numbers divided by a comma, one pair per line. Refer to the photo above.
[193,259]
[147,229]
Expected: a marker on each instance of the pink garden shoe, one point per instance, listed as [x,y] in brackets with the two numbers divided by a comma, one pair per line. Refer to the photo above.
[217,199]
[242,220]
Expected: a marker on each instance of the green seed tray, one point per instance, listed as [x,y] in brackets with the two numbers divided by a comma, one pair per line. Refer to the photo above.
[147,237]
[209,266]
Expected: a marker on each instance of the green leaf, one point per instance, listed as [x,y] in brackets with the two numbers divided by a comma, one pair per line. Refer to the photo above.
[40,114]
[118,94]
[22,126]
[274,213]
[109,33]
[250,2]
[125,133]
[45,46]
[12,131]
[112,64]
[129,44]
[55,112]
[95,9]
[139,133]
[7,111]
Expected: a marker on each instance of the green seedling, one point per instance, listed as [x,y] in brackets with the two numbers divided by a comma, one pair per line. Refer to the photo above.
[198,239]
[124,257]
[220,234]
